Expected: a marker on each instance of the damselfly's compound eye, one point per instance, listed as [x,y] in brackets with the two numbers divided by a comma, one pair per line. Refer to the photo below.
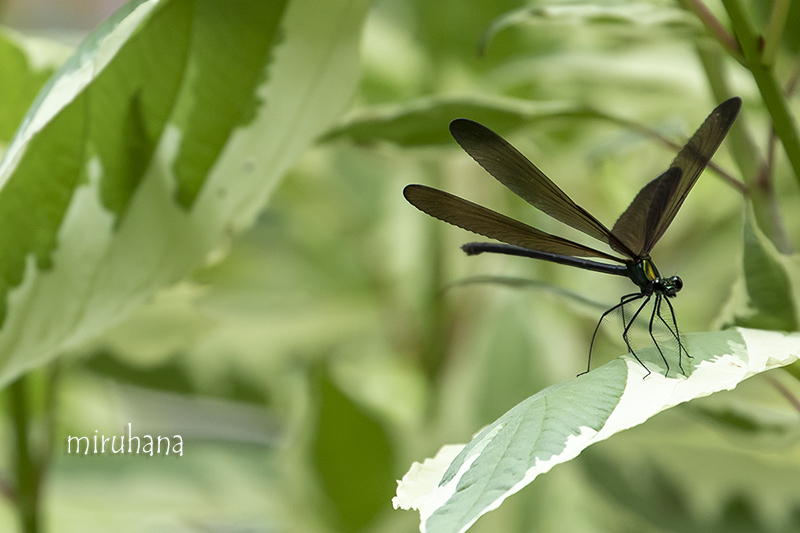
[673,285]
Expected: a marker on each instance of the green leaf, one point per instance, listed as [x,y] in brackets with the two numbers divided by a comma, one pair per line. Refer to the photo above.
[208,124]
[353,458]
[143,152]
[425,121]
[556,424]
[645,18]
[766,278]
[22,77]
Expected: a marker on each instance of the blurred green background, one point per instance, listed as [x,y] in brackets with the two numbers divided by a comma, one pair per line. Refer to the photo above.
[334,343]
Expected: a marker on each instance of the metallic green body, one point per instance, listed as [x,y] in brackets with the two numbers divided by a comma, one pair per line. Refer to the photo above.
[645,275]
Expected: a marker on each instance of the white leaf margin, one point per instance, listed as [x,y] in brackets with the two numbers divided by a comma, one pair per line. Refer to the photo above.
[642,398]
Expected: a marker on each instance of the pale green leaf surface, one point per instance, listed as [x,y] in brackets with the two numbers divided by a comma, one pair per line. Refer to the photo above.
[556,424]
[119,182]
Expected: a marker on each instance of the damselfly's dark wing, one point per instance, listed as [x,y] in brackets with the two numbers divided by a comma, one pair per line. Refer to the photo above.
[659,201]
[631,226]
[478,219]
[516,172]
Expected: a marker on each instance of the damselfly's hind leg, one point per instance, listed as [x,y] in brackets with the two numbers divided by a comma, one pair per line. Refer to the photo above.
[657,311]
[676,333]
[628,298]
[628,327]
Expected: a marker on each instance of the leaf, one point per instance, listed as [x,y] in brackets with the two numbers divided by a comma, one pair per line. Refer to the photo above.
[353,457]
[136,160]
[658,470]
[644,17]
[25,66]
[652,493]
[766,278]
[556,424]
[425,121]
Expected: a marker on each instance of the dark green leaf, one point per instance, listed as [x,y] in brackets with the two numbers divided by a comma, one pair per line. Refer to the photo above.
[353,457]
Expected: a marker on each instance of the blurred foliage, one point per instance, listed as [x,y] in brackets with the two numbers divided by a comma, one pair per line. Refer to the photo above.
[319,353]
[769,289]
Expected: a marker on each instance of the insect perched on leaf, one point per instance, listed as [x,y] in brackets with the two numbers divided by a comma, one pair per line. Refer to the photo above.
[633,236]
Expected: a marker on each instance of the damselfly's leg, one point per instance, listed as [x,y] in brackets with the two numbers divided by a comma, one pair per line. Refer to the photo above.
[666,324]
[674,334]
[677,334]
[628,327]
[622,302]
[657,310]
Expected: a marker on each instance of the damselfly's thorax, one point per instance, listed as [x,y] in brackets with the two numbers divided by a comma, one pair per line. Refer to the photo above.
[646,276]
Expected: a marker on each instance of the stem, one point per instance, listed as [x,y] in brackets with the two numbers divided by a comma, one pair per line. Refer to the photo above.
[743,149]
[791,85]
[768,86]
[714,27]
[674,147]
[786,393]
[756,172]
[27,485]
[774,32]
[52,379]
[646,131]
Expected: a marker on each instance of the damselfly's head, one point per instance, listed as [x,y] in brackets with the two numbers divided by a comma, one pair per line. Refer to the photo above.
[670,286]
